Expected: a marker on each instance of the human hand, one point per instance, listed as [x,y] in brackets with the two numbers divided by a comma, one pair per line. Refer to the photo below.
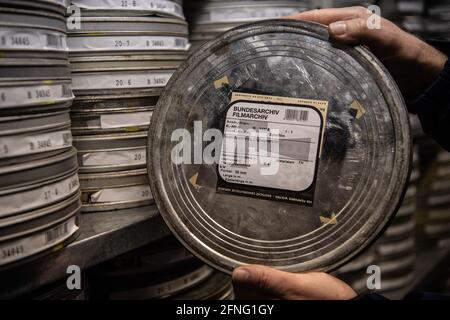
[258,282]
[413,63]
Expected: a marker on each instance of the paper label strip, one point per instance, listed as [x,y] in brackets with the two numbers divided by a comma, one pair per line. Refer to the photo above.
[133,193]
[157,6]
[37,198]
[126,43]
[120,81]
[23,248]
[32,39]
[13,146]
[249,14]
[32,95]
[136,156]
[123,120]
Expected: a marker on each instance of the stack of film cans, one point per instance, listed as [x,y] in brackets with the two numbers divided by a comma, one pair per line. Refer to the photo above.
[39,188]
[394,252]
[209,18]
[355,273]
[426,18]
[161,270]
[434,214]
[122,54]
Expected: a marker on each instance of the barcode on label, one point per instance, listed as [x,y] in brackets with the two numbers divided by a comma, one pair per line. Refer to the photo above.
[66,90]
[67,139]
[297,115]
[180,43]
[56,233]
[53,41]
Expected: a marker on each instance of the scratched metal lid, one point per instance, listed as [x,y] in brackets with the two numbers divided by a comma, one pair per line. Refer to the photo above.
[331,175]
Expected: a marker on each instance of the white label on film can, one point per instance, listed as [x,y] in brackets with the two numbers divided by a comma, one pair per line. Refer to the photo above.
[133,193]
[249,14]
[136,156]
[32,39]
[120,81]
[13,146]
[20,249]
[157,6]
[123,120]
[297,131]
[37,198]
[126,43]
[36,94]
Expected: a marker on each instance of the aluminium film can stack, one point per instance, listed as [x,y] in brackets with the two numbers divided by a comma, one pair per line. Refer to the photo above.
[209,18]
[434,213]
[39,187]
[121,56]
[161,270]
[394,252]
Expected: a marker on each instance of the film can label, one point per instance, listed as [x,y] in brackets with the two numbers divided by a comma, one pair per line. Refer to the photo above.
[271,147]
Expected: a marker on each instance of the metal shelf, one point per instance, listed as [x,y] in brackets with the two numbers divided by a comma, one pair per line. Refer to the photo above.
[104,235]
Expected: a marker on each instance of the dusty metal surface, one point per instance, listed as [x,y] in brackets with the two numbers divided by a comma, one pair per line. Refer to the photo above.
[361,175]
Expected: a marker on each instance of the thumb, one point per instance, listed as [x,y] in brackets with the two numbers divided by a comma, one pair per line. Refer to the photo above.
[354,31]
[260,282]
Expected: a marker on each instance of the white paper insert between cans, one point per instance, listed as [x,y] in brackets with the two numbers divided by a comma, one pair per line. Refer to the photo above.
[39,197]
[19,249]
[115,157]
[126,43]
[119,81]
[13,146]
[32,39]
[35,94]
[157,6]
[123,120]
[128,194]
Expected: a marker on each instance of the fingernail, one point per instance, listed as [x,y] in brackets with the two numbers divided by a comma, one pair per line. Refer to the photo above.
[338,28]
[241,275]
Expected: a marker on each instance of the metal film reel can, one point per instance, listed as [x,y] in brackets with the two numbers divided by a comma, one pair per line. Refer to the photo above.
[343,161]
